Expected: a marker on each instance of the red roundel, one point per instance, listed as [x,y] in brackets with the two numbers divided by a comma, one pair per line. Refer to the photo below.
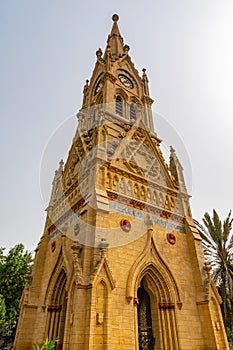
[171,238]
[125,225]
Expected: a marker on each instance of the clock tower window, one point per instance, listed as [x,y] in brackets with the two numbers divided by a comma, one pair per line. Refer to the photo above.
[119,105]
[132,112]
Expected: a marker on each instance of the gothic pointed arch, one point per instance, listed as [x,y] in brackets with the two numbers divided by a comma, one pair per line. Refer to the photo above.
[146,338]
[151,280]
[103,284]
[60,265]
[135,100]
[103,273]
[56,301]
[122,93]
[56,310]
[119,105]
[101,314]
[132,112]
[150,264]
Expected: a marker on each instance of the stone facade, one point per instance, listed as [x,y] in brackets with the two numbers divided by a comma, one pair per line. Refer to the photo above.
[120,265]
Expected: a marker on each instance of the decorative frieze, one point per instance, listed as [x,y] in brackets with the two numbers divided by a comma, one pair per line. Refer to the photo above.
[159,217]
[54,228]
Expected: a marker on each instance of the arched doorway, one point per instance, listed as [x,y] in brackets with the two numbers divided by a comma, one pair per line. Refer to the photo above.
[146,339]
[57,311]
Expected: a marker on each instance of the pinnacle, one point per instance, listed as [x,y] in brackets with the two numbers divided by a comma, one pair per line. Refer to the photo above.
[115,29]
[172,150]
[115,41]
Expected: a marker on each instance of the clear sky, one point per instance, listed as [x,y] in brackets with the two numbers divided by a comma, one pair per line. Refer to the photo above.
[48,51]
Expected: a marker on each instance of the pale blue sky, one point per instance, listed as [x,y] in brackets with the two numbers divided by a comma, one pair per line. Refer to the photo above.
[48,51]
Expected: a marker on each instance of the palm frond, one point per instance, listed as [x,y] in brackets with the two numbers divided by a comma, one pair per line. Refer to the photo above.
[217,242]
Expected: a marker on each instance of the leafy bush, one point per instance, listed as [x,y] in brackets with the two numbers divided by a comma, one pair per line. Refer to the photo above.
[48,345]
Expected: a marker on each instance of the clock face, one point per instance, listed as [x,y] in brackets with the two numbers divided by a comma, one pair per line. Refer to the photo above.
[126,81]
[98,87]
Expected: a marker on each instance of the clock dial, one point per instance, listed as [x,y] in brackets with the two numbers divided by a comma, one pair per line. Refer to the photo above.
[98,87]
[126,81]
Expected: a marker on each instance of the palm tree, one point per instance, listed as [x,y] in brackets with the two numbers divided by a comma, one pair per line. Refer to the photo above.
[218,248]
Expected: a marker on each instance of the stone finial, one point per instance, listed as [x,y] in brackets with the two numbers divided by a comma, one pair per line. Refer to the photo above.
[207,269]
[108,58]
[126,49]
[85,92]
[115,18]
[145,82]
[85,88]
[99,53]
[172,150]
[61,163]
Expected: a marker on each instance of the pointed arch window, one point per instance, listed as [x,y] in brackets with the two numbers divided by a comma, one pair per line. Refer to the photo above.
[132,112]
[119,105]
[57,311]
[145,332]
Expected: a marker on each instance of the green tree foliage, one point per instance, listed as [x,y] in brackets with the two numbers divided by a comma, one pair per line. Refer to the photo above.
[218,249]
[13,268]
[2,313]
[48,345]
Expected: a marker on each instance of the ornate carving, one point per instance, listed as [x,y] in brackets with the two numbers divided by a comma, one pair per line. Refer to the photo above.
[99,54]
[145,82]
[129,188]
[109,76]
[126,49]
[136,191]
[176,170]
[65,217]
[78,274]
[207,269]
[85,93]
[28,281]
[127,127]
[146,208]
[147,100]
[167,204]
[139,159]
[100,318]
[108,181]
[103,251]
[115,182]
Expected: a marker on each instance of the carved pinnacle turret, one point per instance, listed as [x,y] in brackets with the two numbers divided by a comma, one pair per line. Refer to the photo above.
[145,82]
[56,184]
[176,170]
[115,41]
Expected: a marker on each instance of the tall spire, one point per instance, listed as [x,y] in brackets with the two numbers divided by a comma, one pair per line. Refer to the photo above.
[115,42]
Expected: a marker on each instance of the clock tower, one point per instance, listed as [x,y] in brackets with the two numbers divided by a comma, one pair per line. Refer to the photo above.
[120,264]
